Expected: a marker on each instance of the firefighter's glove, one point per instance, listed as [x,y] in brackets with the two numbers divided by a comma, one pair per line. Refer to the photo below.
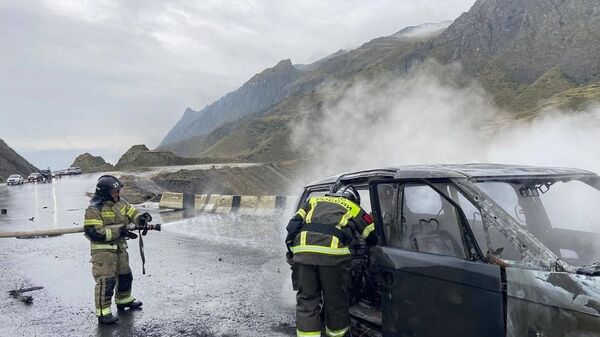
[144,219]
[132,235]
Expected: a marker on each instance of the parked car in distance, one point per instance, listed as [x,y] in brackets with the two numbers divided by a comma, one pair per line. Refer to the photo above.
[14,179]
[46,174]
[35,176]
[74,170]
[475,250]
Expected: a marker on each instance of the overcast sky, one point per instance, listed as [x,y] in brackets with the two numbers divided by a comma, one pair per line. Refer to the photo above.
[100,76]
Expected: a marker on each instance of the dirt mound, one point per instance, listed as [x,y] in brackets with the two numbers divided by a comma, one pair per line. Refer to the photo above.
[90,164]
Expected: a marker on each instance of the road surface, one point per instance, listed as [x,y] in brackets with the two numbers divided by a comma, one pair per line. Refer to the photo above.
[206,275]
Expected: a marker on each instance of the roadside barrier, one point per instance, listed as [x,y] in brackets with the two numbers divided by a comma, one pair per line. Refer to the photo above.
[266,205]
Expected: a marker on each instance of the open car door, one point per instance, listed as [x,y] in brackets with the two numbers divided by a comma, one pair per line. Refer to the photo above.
[435,281]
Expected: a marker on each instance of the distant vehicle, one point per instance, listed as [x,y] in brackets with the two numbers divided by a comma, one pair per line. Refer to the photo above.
[74,170]
[35,176]
[14,179]
[475,250]
[46,174]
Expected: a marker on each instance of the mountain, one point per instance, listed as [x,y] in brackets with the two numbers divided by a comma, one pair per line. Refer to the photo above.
[529,56]
[140,156]
[90,164]
[12,163]
[258,93]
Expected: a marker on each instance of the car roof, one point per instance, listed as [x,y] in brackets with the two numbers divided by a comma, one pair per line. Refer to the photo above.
[474,171]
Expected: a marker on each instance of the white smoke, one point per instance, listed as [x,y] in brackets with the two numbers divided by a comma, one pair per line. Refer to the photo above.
[436,115]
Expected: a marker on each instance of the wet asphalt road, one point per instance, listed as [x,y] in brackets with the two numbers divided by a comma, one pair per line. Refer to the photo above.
[206,275]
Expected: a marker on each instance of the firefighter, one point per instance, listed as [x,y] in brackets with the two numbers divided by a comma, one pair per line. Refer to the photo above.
[317,240]
[105,225]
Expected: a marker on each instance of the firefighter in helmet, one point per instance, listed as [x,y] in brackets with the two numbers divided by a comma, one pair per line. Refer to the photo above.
[318,239]
[105,225]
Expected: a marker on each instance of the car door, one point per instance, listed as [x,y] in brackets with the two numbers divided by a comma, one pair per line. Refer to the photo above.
[434,283]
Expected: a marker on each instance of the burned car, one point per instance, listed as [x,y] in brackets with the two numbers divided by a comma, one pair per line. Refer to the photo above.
[476,250]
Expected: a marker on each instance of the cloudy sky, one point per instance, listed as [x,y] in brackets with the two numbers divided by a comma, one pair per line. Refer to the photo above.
[100,76]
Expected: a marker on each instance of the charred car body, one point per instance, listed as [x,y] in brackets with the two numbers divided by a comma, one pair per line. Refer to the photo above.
[476,250]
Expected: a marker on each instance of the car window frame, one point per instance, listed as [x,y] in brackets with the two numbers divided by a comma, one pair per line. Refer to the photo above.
[469,242]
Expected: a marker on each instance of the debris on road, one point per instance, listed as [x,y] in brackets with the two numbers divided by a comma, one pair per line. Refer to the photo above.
[32,218]
[18,294]
[3,211]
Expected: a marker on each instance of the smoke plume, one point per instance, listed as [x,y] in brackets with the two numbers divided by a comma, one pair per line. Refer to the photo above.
[436,114]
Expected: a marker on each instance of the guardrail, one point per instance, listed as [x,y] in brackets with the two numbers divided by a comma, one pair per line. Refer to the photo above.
[265,205]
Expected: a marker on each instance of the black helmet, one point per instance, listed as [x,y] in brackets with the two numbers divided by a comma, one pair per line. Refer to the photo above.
[348,192]
[106,185]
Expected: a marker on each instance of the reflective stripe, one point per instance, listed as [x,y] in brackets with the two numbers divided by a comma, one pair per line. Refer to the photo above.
[108,214]
[334,242]
[96,246]
[92,222]
[308,333]
[368,230]
[301,213]
[108,233]
[313,204]
[320,250]
[336,333]
[303,238]
[124,300]
[131,212]
[103,312]
[345,218]
[122,210]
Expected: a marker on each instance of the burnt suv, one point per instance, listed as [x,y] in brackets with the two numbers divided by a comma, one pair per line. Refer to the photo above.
[476,250]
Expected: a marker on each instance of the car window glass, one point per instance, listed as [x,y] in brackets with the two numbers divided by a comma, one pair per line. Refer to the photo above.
[429,223]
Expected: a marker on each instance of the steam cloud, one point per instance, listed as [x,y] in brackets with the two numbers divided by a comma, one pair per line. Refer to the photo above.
[437,115]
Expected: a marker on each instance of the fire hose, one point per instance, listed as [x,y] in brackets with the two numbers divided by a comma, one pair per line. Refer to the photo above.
[142,230]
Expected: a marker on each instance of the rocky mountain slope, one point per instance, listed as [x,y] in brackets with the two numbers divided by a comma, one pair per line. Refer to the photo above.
[12,163]
[260,92]
[91,164]
[529,55]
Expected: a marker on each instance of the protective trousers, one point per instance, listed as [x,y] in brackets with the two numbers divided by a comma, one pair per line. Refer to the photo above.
[111,270]
[323,288]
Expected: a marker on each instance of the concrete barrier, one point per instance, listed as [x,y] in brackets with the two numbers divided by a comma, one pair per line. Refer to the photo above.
[267,205]
[171,200]
[200,201]
[212,203]
[225,204]
[248,204]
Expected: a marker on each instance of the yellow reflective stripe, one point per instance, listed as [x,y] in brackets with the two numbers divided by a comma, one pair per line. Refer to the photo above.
[301,213]
[320,250]
[103,312]
[334,242]
[92,222]
[123,210]
[368,230]
[96,246]
[308,333]
[108,214]
[131,212]
[108,233]
[124,300]
[345,218]
[303,238]
[313,204]
[336,333]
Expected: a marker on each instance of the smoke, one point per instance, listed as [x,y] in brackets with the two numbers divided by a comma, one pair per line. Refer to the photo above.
[436,114]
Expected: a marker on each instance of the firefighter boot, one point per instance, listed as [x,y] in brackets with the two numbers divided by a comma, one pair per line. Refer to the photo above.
[107,319]
[133,305]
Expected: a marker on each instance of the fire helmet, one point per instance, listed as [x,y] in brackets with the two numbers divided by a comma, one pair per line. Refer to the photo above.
[106,185]
[348,192]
